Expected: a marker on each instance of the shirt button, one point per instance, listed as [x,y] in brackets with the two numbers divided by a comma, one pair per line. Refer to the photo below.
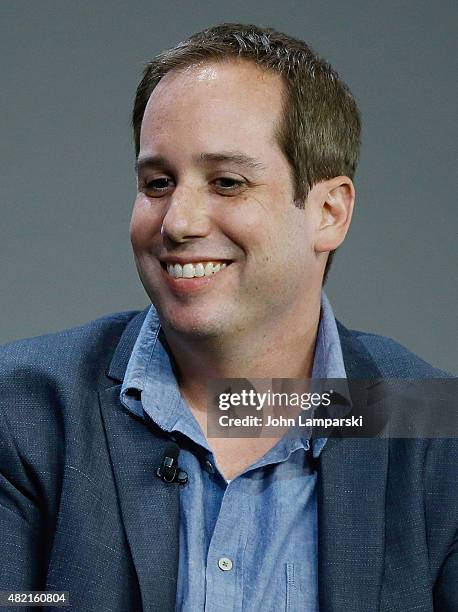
[225,564]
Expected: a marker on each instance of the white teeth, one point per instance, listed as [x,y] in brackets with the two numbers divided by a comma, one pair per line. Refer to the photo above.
[190,270]
[199,269]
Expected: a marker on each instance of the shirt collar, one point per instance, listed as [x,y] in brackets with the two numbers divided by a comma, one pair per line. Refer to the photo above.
[149,378]
[328,361]
[150,383]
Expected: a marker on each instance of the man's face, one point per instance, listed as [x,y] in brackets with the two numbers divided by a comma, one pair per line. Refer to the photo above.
[213,185]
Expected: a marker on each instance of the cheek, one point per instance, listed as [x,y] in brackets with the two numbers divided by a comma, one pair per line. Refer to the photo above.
[245,223]
[144,225]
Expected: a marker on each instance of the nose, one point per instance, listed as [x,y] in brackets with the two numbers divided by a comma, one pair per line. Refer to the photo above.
[186,216]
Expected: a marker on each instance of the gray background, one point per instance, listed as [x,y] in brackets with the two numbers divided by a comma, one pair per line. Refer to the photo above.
[69,72]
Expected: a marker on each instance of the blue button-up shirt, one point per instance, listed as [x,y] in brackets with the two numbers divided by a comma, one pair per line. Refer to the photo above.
[249,543]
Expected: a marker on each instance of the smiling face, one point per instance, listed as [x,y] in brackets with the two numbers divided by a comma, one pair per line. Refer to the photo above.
[213,185]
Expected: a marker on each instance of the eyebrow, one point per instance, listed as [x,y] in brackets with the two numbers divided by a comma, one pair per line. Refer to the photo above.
[235,157]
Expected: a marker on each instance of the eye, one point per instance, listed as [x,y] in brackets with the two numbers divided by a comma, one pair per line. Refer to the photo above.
[157,186]
[227,184]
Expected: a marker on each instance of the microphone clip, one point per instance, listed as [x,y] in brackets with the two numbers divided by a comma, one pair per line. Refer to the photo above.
[169,471]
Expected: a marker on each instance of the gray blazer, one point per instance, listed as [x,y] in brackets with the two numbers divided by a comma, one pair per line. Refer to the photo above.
[82,511]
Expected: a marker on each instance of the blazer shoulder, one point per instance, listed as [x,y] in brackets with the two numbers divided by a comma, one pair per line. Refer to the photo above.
[49,384]
[48,391]
[392,358]
[83,349]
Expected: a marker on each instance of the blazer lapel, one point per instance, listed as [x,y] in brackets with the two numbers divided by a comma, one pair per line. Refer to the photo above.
[149,507]
[351,506]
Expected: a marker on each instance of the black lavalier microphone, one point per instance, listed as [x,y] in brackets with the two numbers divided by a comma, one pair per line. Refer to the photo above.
[169,470]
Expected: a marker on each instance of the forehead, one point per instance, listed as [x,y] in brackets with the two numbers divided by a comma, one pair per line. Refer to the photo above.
[215,101]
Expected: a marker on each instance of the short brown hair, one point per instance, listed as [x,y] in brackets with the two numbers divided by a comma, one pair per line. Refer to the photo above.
[321,128]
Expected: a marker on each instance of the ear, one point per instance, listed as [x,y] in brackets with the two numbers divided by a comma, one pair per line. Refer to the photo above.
[335,202]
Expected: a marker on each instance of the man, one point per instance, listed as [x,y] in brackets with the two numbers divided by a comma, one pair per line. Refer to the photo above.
[246,146]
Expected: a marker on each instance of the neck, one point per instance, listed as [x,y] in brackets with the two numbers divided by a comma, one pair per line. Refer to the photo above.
[279,349]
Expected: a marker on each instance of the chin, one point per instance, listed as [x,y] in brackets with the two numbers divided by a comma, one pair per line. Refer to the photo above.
[193,325]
